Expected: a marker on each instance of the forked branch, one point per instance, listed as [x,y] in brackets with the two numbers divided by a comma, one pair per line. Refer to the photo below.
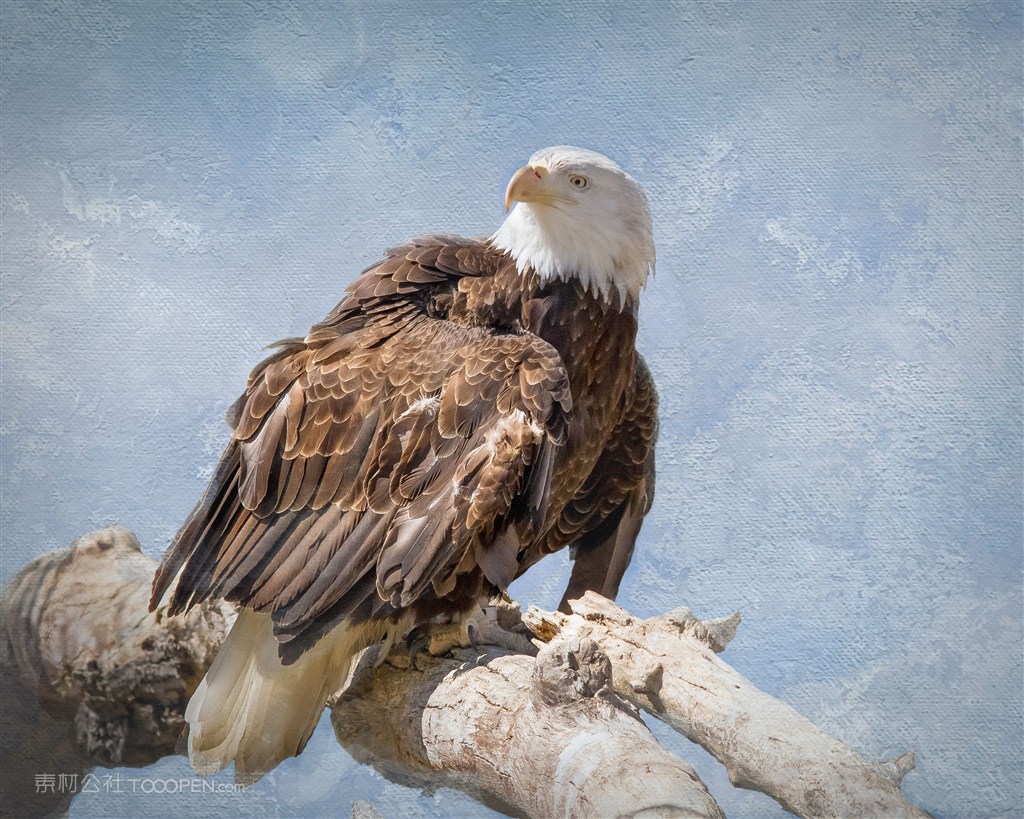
[553,734]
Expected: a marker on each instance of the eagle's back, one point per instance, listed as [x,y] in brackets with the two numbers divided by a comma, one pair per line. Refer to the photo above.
[422,444]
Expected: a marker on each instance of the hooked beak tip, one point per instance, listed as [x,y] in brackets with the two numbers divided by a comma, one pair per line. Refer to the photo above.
[524,185]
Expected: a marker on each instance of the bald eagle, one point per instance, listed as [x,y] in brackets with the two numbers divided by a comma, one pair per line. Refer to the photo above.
[470,406]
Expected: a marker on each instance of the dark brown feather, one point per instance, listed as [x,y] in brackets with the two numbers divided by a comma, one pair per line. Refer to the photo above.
[449,422]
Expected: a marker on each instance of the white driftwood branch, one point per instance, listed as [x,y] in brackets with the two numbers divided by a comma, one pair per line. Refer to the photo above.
[541,736]
[534,737]
[667,665]
[545,736]
[78,646]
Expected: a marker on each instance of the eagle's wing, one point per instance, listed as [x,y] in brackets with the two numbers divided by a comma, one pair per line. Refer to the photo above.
[388,452]
[603,519]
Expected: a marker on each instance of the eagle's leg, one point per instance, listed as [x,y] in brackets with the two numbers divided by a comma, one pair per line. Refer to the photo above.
[455,631]
[492,622]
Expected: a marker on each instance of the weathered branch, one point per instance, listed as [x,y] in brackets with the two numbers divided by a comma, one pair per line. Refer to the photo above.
[538,736]
[534,737]
[90,677]
[667,666]
[555,734]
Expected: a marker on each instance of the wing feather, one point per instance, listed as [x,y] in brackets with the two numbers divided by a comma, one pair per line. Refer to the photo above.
[604,517]
[379,458]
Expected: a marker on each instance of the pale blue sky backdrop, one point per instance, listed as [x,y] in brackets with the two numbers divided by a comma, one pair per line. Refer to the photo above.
[835,324]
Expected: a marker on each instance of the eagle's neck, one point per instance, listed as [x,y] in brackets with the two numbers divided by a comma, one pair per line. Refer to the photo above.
[612,264]
[587,330]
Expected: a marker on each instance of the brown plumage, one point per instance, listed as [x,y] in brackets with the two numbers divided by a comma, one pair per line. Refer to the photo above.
[455,418]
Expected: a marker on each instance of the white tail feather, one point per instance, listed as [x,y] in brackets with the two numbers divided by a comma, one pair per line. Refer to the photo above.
[252,709]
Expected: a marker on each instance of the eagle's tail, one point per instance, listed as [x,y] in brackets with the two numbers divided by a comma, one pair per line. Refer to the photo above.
[253,709]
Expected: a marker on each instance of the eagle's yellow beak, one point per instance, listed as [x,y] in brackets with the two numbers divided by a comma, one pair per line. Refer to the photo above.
[529,184]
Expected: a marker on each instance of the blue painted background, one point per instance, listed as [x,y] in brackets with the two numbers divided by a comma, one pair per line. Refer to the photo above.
[835,325]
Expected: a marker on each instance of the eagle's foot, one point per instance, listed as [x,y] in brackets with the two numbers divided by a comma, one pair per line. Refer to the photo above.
[427,641]
[499,625]
[417,643]
[495,625]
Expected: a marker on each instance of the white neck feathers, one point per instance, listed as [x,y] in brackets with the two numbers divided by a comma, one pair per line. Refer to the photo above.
[556,244]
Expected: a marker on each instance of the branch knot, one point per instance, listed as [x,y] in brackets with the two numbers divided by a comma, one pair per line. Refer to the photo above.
[571,669]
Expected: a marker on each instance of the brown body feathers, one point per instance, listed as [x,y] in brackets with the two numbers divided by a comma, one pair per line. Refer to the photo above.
[448,424]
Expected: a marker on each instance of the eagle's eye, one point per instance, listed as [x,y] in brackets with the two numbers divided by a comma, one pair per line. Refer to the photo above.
[578,181]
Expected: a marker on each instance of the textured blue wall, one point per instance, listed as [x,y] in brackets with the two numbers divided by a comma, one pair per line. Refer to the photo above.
[835,325]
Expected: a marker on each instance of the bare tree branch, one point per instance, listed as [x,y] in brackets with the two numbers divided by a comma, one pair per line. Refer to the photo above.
[77,638]
[92,678]
[534,737]
[667,666]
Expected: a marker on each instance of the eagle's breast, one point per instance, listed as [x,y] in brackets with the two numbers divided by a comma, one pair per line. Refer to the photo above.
[597,343]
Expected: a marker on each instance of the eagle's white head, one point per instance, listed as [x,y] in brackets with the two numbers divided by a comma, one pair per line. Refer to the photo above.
[581,215]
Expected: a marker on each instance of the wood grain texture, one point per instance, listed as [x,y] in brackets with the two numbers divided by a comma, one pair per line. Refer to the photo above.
[668,666]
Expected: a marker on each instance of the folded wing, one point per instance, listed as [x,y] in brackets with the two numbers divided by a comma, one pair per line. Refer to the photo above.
[388,453]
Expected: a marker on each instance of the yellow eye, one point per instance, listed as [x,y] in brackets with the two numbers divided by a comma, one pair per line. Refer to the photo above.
[578,181]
